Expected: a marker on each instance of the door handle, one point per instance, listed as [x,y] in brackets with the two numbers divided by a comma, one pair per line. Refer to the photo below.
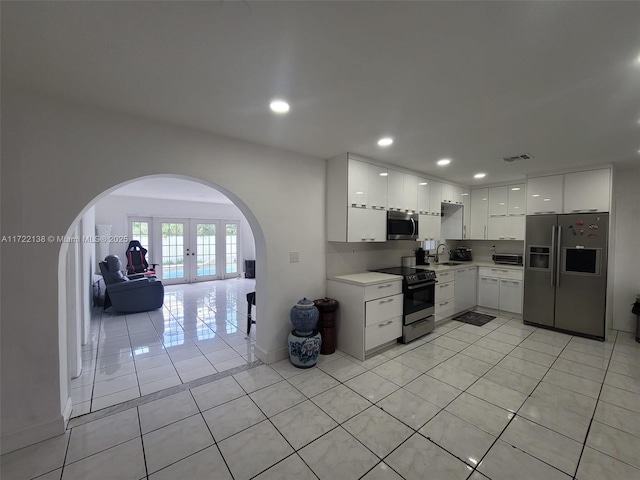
[552,267]
[558,256]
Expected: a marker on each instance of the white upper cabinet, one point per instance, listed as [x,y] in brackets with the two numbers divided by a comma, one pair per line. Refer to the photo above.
[377,187]
[410,192]
[358,183]
[545,195]
[435,198]
[587,191]
[395,190]
[447,193]
[423,195]
[517,200]
[429,228]
[479,212]
[366,225]
[466,212]
[498,197]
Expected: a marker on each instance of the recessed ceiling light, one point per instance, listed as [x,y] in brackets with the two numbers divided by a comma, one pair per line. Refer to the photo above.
[279,106]
[425,183]
[444,161]
[385,141]
[515,189]
[384,174]
[480,175]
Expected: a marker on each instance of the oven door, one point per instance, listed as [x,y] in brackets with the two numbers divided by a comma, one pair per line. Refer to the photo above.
[419,301]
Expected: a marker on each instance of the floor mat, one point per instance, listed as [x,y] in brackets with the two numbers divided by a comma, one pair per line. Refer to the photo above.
[474,318]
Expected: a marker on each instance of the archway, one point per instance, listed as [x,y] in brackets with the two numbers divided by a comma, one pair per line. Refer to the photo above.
[71,288]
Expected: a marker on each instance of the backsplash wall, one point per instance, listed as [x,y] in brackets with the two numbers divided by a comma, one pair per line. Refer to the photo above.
[482,250]
[345,258]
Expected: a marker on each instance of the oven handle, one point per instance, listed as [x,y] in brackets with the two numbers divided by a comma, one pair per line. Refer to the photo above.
[422,285]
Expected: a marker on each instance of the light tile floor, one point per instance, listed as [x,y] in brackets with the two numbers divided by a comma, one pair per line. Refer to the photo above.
[201,330]
[502,401]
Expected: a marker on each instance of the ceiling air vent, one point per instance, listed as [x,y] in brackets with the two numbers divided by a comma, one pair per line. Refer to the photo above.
[514,158]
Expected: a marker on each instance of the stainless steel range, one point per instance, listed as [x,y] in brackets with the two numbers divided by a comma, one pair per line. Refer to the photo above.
[418,288]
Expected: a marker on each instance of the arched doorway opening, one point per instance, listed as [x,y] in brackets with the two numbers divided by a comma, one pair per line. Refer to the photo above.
[77,263]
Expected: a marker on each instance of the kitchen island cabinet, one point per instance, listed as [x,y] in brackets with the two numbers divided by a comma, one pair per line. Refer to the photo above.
[370,312]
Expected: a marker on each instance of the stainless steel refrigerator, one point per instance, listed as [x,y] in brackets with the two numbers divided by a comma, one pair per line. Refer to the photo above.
[565,277]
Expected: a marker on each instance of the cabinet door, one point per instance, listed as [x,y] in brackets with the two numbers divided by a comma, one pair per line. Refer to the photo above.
[488,292]
[479,210]
[510,295]
[366,225]
[517,200]
[447,193]
[587,191]
[358,183]
[377,187]
[395,190]
[466,293]
[498,197]
[515,227]
[544,195]
[429,228]
[423,195]
[497,228]
[435,197]
[466,213]
[410,192]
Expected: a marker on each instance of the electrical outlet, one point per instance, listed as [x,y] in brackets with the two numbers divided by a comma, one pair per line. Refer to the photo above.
[294,257]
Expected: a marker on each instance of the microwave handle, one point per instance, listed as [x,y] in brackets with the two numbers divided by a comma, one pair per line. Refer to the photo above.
[413,224]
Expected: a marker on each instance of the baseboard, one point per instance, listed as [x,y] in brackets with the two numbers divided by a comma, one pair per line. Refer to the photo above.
[33,434]
[66,412]
[273,356]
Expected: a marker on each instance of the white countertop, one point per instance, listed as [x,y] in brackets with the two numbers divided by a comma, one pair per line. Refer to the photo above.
[488,263]
[365,279]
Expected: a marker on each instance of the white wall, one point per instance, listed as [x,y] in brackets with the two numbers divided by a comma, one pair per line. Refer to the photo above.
[626,262]
[58,158]
[113,210]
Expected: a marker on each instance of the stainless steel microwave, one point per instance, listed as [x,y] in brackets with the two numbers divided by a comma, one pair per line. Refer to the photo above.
[402,226]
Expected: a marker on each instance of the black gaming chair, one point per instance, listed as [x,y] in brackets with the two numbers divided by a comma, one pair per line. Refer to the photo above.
[137,261]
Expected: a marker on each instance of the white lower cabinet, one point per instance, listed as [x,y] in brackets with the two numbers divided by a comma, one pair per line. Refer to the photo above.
[369,315]
[510,295]
[500,289]
[466,289]
[444,296]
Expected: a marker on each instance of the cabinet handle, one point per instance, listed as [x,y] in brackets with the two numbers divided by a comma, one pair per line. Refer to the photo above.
[380,325]
[385,301]
[485,231]
[464,231]
[443,304]
[584,210]
[386,286]
[539,213]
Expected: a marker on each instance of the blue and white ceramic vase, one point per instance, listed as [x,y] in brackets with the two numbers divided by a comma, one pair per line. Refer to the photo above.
[304,316]
[304,340]
[304,349]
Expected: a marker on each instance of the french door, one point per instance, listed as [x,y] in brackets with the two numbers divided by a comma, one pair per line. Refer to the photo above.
[195,250]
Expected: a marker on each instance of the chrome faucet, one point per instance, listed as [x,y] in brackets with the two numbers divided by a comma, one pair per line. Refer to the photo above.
[438,248]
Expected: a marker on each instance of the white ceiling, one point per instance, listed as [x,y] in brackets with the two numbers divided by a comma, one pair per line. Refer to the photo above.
[172,189]
[471,81]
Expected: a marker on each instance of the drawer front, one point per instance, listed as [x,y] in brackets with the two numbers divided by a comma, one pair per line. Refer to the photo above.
[382,332]
[445,276]
[445,307]
[497,272]
[444,291]
[382,290]
[383,309]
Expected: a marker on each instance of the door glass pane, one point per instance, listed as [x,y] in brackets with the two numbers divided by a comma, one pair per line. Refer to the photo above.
[231,250]
[206,249]
[172,250]
[140,232]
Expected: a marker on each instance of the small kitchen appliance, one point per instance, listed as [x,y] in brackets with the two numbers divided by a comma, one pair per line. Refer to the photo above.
[460,254]
[507,258]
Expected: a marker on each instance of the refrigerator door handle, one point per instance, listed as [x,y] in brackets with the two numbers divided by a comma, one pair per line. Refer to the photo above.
[552,262]
[558,258]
